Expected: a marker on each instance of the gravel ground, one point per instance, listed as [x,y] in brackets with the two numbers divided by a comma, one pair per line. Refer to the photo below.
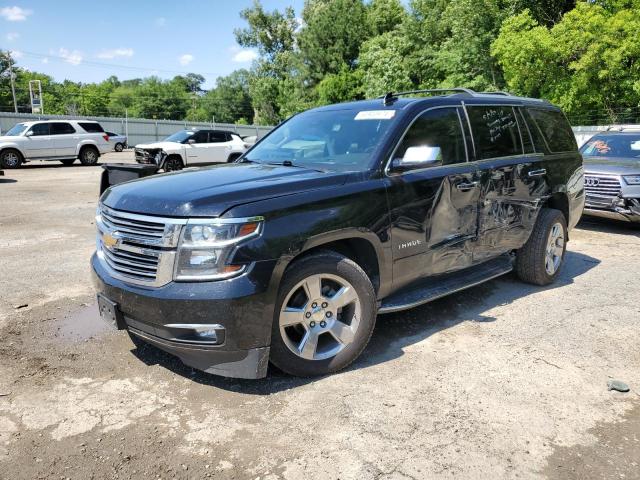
[504,380]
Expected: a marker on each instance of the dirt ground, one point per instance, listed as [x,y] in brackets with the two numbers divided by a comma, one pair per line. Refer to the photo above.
[505,380]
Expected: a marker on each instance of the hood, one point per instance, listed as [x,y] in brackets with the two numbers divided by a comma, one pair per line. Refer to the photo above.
[612,165]
[209,192]
[4,139]
[161,145]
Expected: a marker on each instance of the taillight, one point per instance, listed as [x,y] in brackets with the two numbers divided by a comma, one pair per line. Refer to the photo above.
[106,137]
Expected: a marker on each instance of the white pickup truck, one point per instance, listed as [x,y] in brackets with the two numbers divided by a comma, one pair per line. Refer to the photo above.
[63,140]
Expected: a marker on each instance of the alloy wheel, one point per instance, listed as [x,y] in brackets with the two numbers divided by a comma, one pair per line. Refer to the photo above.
[11,159]
[320,316]
[555,249]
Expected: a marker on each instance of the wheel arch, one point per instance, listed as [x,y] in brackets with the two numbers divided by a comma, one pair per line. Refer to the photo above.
[4,148]
[559,201]
[167,156]
[362,247]
[87,144]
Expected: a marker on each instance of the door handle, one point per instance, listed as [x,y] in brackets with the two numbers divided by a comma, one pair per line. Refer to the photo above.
[466,186]
[537,173]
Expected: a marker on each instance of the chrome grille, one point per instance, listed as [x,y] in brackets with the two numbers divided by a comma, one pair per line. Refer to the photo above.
[131,263]
[127,225]
[602,185]
[135,248]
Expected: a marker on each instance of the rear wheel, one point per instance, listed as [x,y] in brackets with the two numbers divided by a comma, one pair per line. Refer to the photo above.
[67,162]
[119,147]
[10,158]
[89,156]
[540,259]
[324,316]
[173,163]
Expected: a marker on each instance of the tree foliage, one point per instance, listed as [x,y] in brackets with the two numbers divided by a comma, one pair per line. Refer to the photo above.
[583,55]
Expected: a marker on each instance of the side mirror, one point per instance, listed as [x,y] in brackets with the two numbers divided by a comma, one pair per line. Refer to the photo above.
[29,133]
[418,157]
[191,141]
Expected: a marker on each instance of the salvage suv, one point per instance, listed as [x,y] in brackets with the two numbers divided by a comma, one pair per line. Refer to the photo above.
[612,174]
[339,214]
[65,141]
[192,147]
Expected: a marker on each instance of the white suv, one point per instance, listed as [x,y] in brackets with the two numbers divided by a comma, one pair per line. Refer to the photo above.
[63,140]
[192,147]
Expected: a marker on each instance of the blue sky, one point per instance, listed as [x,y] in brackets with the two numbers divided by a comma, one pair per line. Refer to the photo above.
[67,39]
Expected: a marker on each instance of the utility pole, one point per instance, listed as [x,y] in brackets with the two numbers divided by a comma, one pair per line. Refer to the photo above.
[13,85]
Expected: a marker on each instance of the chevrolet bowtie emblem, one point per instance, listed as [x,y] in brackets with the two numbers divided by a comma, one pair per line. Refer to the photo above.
[109,240]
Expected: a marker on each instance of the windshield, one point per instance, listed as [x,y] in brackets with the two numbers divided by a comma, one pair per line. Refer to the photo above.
[621,145]
[341,140]
[179,137]
[17,129]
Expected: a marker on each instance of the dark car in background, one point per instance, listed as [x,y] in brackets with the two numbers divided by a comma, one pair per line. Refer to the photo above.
[339,214]
[612,174]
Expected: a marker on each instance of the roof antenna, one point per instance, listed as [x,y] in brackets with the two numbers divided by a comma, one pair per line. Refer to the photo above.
[388,99]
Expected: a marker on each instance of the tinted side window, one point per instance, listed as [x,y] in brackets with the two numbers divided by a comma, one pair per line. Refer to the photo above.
[435,135]
[61,128]
[91,127]
[555,129]
[527,141]
[200,137]
[495,131]
[217,137]
[40,129]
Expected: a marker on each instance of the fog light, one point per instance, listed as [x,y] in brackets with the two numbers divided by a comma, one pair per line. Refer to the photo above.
[209,335]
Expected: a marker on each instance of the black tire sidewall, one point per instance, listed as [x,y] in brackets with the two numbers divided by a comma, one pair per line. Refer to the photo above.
[2,161]
[558,218]
[328,263]
[119,145]
[169,161]
[83,158]
[68,163]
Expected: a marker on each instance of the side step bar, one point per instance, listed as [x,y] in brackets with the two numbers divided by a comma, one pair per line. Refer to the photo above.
[441,285]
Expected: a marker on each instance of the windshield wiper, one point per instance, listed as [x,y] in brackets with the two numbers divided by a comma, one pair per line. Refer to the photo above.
[289,163]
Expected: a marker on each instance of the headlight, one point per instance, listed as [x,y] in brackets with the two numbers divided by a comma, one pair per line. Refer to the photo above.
[205,248]
[632,179]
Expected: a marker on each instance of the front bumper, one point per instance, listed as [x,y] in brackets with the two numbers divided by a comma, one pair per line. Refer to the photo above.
[240,310]
[617,208]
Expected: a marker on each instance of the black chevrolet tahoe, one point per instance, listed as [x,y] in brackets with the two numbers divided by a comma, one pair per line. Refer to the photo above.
[342,213]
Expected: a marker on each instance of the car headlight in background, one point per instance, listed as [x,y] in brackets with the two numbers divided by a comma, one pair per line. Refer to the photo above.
[205,248]
[632,179]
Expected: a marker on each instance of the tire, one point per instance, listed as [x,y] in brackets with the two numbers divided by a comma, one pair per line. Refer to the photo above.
[67,162]
[305,332]
[10,158]
[540,260]
[119,147]
[89,156]
[233,157]
[173,164]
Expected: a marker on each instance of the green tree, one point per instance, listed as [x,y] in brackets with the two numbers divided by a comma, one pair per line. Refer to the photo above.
[229,101]
[589,62]
[385,15]
[340,87]
[332,34]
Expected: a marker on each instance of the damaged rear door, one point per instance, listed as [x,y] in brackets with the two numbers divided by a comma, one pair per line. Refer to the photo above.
[433,195]
[512,179]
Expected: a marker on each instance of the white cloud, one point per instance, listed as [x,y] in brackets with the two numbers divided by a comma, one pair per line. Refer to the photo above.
[15,14]
[244,56]
[45,60]
[16,54]
[160,22]
[73,57]
[11,36]
[185,59]
[116,52]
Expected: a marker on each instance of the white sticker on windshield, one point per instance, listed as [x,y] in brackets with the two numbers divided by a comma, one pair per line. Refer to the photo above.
[375,115]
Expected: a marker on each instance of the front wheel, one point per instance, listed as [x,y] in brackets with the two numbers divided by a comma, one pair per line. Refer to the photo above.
[10,159]
[173,164]
[540,259]
[324,316]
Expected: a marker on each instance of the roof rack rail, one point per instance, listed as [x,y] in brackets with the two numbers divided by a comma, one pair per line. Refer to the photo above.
[390,97]
[498,92]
